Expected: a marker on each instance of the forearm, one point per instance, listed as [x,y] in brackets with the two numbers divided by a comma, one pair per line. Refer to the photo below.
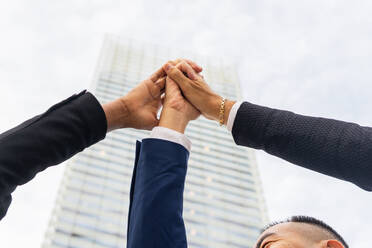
[155,218]
[339,149]
[46,140]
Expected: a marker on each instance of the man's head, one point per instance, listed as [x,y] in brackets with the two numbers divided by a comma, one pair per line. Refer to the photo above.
[300,232]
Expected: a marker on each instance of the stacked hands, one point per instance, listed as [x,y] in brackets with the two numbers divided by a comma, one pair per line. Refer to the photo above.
[339,149]
[179,88]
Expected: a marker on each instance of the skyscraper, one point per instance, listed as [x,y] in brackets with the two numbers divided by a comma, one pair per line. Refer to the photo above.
[223,204]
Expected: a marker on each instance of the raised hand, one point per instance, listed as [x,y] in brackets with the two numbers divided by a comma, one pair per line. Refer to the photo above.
[197,91]
[139,108]
[177,111]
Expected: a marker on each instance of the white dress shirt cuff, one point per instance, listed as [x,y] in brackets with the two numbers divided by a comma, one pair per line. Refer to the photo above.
[232,115]
[171,135]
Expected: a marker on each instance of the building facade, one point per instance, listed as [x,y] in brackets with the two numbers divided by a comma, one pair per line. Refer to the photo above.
[223,201]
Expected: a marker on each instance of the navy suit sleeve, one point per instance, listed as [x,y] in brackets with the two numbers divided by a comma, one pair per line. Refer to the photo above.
[48,139]
[155,212]
[335,148]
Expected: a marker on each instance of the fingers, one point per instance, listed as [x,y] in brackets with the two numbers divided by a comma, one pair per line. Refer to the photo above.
[193,65]
[160,84]
[186,68]
[155,89]
[161,73]
[177,75]
[158,74]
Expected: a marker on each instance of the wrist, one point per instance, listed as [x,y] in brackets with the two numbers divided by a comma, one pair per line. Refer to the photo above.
[228,106]
[215,105]
[173,119]
[214,108]
[116,114]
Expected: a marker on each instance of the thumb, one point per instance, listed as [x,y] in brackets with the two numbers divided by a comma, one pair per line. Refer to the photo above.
[171,87]
[168,82]
[154,123]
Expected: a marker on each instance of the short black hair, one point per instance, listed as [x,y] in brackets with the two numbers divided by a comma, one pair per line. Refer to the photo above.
[311,221]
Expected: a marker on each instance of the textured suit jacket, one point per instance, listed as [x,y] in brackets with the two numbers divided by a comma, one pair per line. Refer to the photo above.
[335,148]
[155,216]
[156,197]
[48,139]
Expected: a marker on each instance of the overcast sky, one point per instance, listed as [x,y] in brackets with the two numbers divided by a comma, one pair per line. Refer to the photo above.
[312,57]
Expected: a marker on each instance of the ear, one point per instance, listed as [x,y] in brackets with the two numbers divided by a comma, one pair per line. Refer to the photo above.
[332,243]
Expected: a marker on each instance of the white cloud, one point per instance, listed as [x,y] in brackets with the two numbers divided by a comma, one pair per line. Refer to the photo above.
[313,57]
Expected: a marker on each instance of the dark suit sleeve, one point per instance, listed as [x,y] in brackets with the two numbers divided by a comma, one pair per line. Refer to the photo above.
[155,212]
[335,148]
[48,139]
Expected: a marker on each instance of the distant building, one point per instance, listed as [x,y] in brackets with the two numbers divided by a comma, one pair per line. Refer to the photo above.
[223,205]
